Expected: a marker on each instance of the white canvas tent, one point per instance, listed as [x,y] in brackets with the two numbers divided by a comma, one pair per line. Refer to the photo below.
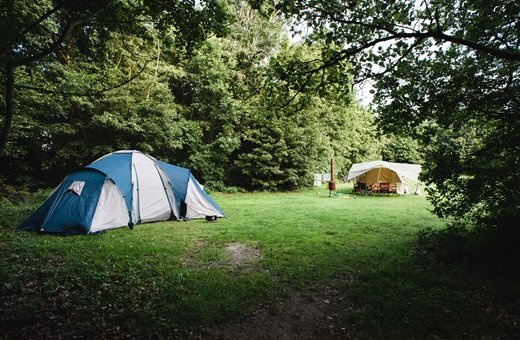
[375,172]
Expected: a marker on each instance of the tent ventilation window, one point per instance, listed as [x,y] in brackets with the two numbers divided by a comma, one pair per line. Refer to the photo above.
[76,187]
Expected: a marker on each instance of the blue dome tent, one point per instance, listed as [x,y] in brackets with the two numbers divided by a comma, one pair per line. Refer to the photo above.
[193,201]
[122,188]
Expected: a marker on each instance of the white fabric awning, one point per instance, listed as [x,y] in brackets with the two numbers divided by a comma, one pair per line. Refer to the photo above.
[410,171]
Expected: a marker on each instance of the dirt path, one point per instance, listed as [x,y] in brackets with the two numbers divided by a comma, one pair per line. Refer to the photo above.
[324,313]
[317,312]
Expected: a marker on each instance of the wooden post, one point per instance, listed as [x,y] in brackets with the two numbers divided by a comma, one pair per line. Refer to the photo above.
[332,184]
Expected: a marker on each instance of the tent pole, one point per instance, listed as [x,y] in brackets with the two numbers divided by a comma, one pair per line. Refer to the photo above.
[378,177]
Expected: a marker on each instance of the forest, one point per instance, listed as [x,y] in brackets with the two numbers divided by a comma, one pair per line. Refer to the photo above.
[257,96]
[222,107]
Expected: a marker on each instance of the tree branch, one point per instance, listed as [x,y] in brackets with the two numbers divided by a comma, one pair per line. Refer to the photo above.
[80,94]
[67,29]
[39,21]
[393,66]
[33,25]
[124,82]
[420,36]
[503,54]
[436,32]
[300,89]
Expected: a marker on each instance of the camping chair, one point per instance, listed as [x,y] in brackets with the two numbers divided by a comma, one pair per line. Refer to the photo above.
[362,189]
[368,189]
[384,188]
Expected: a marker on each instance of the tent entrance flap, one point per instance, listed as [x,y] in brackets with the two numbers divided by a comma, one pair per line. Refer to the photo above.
[111,211]
[193,201]
[154,203]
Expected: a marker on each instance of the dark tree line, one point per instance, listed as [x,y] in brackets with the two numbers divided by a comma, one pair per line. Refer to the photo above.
[201,85]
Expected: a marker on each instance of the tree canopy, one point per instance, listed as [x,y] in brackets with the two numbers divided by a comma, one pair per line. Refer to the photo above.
[220,87]
[225,107]
[37,33]
[447,72]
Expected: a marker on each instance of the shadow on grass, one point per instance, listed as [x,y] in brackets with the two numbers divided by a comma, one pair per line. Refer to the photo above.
[425,296]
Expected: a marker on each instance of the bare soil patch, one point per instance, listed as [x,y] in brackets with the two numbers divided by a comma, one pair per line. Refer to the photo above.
[240,253]
[321,311]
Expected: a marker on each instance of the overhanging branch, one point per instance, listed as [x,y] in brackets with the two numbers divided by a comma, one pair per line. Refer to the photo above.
[84,94]
[67,29]
[392,66]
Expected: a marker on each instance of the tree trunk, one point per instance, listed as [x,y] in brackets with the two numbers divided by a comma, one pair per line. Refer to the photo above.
[9,106]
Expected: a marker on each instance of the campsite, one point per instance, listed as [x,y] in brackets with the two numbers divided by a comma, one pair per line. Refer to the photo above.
[308,266]
[257,169]
[172,278]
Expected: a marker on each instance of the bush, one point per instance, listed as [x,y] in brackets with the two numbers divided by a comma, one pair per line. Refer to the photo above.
[233,190]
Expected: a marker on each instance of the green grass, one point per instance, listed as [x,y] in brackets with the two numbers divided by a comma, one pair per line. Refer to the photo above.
[166,279]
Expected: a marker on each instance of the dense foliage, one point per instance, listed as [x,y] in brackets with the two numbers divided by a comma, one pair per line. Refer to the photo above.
[446,72]
[37,34]
[225,107]
[401,148]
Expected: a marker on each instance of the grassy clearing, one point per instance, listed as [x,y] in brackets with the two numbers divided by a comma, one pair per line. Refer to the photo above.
[167,279]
